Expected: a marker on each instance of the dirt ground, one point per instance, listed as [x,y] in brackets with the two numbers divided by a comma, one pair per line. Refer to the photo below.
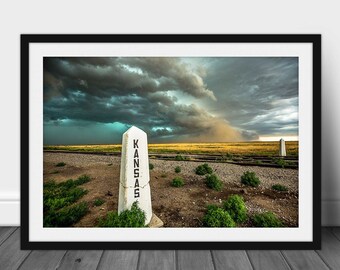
[176,207]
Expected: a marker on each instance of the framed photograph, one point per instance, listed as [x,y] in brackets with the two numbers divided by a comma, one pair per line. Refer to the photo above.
[170,141]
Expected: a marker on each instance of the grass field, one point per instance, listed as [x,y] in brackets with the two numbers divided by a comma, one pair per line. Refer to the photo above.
[239,148]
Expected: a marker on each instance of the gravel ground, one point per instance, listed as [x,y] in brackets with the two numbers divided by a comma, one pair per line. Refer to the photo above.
[228,173]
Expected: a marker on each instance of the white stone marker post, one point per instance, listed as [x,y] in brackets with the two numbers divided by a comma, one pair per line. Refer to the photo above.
[282,148]
[134,173]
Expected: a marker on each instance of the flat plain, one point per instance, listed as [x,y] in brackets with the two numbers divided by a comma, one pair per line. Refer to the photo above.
[184,206]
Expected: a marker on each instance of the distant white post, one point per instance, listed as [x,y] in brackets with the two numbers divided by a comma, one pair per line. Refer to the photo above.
[134,173]
[282,148]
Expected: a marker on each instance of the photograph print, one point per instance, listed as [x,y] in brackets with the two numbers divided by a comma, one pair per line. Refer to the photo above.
[171,142]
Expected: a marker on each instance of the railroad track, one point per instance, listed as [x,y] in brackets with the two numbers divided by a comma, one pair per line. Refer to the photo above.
[245,160]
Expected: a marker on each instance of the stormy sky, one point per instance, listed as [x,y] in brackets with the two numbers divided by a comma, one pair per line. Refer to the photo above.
[94,100]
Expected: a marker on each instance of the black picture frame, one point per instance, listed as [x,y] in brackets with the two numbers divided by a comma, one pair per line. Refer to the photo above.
[28,39]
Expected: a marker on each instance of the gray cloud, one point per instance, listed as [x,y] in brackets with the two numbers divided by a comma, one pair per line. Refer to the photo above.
[212,100]
[102,77]
[252,93]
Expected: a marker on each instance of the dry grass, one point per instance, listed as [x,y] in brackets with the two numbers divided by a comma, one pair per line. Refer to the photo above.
[239,148]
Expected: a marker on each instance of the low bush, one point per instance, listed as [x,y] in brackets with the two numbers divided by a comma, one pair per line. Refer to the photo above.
[60,164]
[98,202]
[65,217]
[151,166]
[204,169]
[267,219]
[213,182]
[177,182]
[217,217]
[163,175]
[236,208]
[135,217]
[279,187]
[180,158]
[250,179]
[74,183]
[281,162]
[57,196]
[228,156]
[178,169]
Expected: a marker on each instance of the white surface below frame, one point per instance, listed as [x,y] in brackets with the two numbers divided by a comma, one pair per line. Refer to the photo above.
[302,233]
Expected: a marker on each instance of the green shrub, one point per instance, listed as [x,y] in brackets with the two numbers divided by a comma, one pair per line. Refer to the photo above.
[180,158]
[65,217]
[151,166]
[178,169]
[281,162]
[54,172]
[98,202]
[250,179]
[177,182]
[279,187]
[57,196]
[204,169]
[73,183]
[217,217]
[163,175]
[60,164]
[135,217]
[228,156]
[267,219]
[236,207]
[213,182]
[82,180]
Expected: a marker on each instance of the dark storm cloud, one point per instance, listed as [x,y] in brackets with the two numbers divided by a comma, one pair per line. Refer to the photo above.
[156,114]
[173,74]
[172,99]
[103,77]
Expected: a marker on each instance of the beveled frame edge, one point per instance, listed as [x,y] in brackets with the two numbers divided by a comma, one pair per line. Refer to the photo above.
[26,39]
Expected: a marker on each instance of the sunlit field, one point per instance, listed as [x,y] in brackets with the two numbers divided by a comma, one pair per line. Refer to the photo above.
[239,148]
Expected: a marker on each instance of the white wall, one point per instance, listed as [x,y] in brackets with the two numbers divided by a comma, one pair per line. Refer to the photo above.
[190,16]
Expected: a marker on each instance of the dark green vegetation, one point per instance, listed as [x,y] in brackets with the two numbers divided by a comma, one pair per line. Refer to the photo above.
[213,182]
[203,169]
[66,216]
[98,202]
[281,162]
[177,182]
[60,164]
[134,217]
[267,219]
[180,158]
[234,212]
[178,169]
[279,187]
[58,200]
[151,166]
[236,207]
[250,179]
[217,217]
